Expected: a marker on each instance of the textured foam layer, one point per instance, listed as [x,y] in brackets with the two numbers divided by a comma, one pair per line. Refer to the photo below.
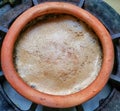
[59,55]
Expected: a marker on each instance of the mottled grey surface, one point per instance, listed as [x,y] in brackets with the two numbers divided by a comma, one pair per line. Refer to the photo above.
[114,104]
[4,106]
[105,13]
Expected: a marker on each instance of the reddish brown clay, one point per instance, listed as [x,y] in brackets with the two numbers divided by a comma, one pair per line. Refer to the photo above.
[52,100]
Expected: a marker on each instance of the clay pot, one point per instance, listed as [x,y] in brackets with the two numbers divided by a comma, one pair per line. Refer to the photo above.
[53,100]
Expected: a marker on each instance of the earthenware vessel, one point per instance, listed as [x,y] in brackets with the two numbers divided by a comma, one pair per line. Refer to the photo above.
[55,100]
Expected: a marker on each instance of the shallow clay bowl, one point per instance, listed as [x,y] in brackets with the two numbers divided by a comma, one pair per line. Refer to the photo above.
[54,100]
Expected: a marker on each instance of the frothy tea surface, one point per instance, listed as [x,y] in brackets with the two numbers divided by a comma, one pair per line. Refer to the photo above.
[59,55]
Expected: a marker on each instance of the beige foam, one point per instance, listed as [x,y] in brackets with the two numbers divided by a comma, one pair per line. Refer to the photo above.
[58,56]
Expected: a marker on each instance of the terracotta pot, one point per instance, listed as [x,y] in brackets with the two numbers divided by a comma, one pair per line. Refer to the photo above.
[47,99]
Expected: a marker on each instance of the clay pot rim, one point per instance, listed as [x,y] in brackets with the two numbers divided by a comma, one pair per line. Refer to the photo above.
[56,100]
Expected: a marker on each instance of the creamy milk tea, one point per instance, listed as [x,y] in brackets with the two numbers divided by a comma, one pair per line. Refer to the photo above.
[58,54]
